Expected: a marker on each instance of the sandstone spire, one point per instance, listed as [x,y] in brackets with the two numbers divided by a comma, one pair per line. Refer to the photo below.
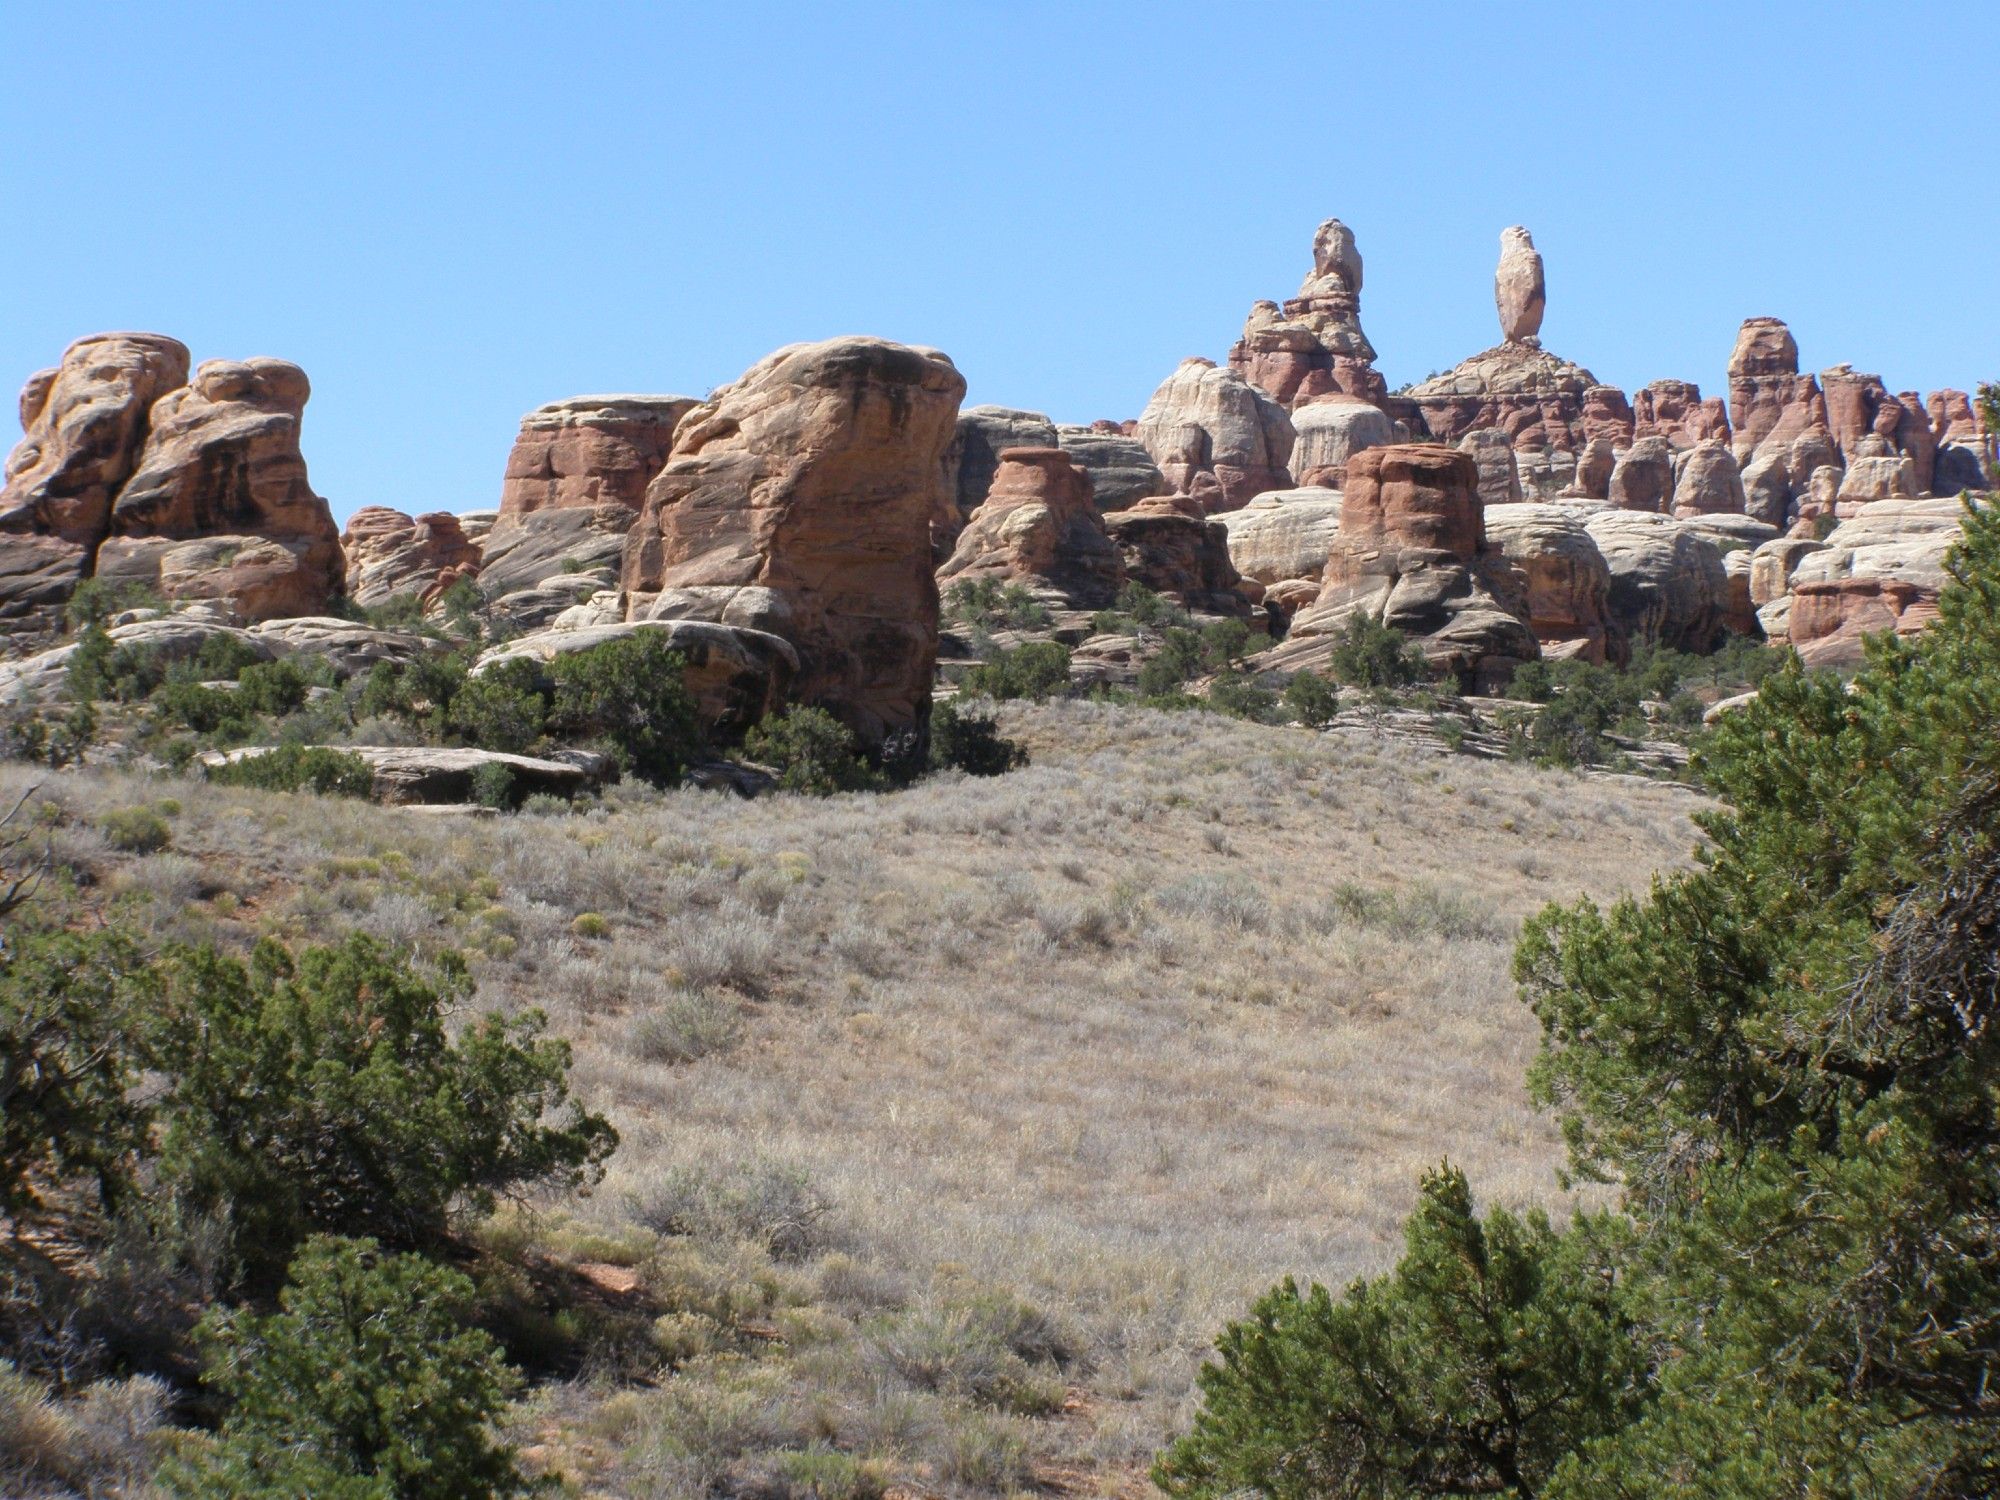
[1518,291]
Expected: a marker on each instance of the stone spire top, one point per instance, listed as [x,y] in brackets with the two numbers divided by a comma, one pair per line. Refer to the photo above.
[1518,290]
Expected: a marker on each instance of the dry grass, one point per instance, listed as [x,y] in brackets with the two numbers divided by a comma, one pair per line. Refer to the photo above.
[1185,1006]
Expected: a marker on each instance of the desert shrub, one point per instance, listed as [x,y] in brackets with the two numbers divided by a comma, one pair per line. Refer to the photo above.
[493,785]
[1242,696]
[135,830]
[321,1091]
[987,601]
[771,1205]
[1495,1349]
[54,742]
[1312,699]
[463,606]
[962,1350]
[686,1026]
[815,753]
[971,742]
[503,708]
[276,687]
[1033,670]
[298,768]
[1182,655]
[1140,606]
[632,694]
[101,670]
[1367,653]
[100,1442]
[366,1384]
[96,600]
[185,701]
[419,692]
[68,1115]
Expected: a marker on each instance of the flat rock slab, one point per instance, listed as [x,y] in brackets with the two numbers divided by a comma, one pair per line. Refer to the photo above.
[424,774]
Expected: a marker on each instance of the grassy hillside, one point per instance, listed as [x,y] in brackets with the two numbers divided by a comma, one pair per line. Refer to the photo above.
[957,1121]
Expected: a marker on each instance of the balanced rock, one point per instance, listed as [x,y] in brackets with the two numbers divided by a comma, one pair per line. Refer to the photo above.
[1412,553]
[390,555]
[222,468]
[1171,547]
[1568,585]
[1708,481]
[590,451]
[798,501]
[1518,289]
[1039,527]
[1668,583]
[1313,345]
[1217,437]
[1121,471]
[1329,430]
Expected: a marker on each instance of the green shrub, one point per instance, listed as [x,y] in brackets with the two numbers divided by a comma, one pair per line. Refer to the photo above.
[1312,699]
[1034,670]
[68,1115]
[96,600]
[53,743]
[367,1384]
[136,830]
[493,785]
[815,753]
[321,1092]
[274,687]
[1493,1350]
[503,708]
[1369,654]
[1242,696]
[298,768]
[971,742]
[1149,610]
[632,693]
[100,669]
[987,601]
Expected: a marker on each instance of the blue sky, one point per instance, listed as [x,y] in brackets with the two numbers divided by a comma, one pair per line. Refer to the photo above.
[451,214]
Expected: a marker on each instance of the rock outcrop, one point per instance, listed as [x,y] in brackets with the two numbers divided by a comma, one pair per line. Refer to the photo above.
[983,434]
[1499,470]
[798,501]
[1643,476]
[1880,570]
[1412,553]
[1283,536]
[524,552]
[1519,293]
[1533,396]
[390,555]
[1121,471]
[1708,482]
[1668,583]
[1313,345]
[1859,406]
[1217,437]
[219,507]
[1039,527]
[1963,447]
[1568,584]
[1675,410]
[1170,547]
[590,451]
[1329,430]
[85,425]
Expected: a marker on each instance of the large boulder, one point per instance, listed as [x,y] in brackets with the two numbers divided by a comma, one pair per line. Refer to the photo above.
[1675,410]
[1217,437]
[590,451]
[1568,584]
[1283,535]
[1121,471]
[1499,471]
[736,675]
[390,555]
[1708,482]
[84,426]
[1518,289]
[40,678]
[1668,583]
[1412,553]
[1313,345]
[349,647]
[1595,465]
[1643,476]
[983,434]
[1171,547]
[1878,477]
[1329,430]
[799,501]
[434,775]
[221,467]
[1038,527]
[521,552]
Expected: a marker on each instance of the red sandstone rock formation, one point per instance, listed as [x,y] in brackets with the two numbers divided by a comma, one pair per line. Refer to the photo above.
[590,450]
[390,554]
[798,501]
[1519,292]
[1216,437]
[1963,446]
[1568,585]
[1039,527]
[1708,482]
[1674,410]
[1533,396]
[984,432]
[1313,345]
[1170,547]
[1332,429]
[1412,552]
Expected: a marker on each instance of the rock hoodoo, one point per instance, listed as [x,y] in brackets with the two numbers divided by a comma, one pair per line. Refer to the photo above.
[390,555]
[1329,430]
[1216,437]
[1313,345]
[1412,553]
[1170,547]
[1668,584]
[798,501]
[1121,471]
[1568,585]
[984,433]
[1518,289]
[1039,527]
[590,450]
